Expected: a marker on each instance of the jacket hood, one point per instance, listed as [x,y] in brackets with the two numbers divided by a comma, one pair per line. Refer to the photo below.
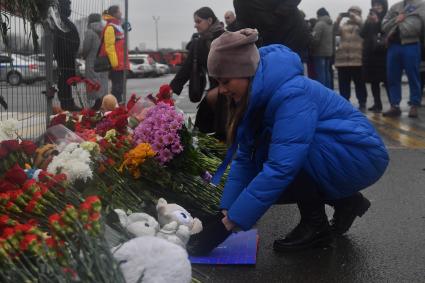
[278,65]
[325,19]
[96,27]
[383,3]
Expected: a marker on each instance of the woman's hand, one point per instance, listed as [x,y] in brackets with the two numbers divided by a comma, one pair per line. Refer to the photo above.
[228,223]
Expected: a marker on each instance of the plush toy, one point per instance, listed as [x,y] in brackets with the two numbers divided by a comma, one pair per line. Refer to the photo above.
[177,225]
[109,103]
[153,260]
[44,155]
[138,224]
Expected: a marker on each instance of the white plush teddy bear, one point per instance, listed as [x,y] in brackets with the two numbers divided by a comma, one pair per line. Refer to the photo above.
[153,260]
[176,223]
[138,224]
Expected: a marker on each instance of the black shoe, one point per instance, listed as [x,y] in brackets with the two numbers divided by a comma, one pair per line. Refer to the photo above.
[304,236]
[213,234]
[346,211]
[393,112]
[69,105]
[375,109]
[312,231]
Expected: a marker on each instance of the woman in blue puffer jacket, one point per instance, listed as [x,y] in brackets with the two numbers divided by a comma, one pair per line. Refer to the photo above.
[294,141]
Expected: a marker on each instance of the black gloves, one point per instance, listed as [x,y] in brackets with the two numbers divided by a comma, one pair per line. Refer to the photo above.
[213,234]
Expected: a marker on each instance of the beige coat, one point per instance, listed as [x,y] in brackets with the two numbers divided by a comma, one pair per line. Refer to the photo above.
[349,51]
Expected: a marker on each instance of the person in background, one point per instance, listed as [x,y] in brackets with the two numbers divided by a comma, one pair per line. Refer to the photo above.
[293,141]
[348,56]
[230,19]
[113,47]
[211,116]
[278,22]
[65,49]
[91,44]
[404,27]
[322,48]
[375,52]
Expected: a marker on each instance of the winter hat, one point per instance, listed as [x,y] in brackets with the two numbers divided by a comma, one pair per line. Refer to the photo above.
[322,12]
[234,55]
[94,18]
[355,9]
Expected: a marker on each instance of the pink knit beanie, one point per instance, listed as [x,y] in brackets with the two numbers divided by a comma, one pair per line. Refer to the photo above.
[234,55]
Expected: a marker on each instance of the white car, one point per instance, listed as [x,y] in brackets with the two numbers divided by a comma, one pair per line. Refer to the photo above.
[16,69]
[141,66]
[161,69]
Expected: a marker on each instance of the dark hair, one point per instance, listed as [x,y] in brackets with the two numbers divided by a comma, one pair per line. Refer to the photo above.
[322,12]
[205,13]
[94,18]
[112,10]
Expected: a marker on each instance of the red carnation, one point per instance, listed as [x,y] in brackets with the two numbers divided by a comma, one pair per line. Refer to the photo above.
[133,100]
[16,175]
[8,233]
[58,120]
[28,147]
[6,186]
[11,145]
[27,241]
[74,80]
[5,220]
[3,152]
[4,198]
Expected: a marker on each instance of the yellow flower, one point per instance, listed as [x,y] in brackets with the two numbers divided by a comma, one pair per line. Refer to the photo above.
[136,157]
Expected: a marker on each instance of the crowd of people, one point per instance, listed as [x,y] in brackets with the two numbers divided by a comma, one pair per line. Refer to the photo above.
[374,51]
[100,40]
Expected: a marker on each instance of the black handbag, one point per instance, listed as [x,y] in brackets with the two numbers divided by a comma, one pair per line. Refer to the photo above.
[198,80]
[101,63]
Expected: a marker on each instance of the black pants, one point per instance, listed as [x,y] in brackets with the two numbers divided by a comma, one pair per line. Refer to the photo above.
[117,78]
[348,74]
[376,92]
[64,90]
[302,189]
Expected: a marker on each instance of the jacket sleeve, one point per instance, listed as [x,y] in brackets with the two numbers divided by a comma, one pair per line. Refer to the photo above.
[242,171]
[109,39]
[389,21]
[293,130]
[183,75]
[87,45]
[317,34]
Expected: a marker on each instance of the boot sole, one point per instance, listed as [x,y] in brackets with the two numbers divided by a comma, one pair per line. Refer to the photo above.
[321,242]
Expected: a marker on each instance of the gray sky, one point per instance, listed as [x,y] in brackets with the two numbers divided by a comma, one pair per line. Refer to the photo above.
[176,20]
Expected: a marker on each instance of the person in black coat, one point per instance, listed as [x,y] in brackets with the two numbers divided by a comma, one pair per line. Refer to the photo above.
[375,51]
[277,21]
[211,116]
[65,49]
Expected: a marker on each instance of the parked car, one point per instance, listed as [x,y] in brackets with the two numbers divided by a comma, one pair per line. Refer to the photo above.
[16,69]
[161,69]
[42,58]
[141,65]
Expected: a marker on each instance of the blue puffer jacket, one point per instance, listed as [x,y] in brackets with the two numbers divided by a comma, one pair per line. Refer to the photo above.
[302,125]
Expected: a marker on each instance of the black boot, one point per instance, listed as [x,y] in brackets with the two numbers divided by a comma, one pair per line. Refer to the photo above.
[97,104]
[213,233]
[312,231]
[69,105]
[346,211]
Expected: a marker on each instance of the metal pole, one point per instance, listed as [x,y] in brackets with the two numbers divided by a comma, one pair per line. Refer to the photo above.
[125,52]
[48,51]
[156,19]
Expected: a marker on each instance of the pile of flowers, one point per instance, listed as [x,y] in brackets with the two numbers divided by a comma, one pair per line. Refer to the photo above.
[136,157]
[160,128]
[74,161]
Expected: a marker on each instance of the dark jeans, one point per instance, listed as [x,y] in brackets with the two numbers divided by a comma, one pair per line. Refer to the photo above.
[117,78]
[322,71]
[348,74]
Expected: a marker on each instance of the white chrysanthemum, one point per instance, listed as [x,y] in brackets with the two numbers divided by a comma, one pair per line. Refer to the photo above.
[74,162]
[8,129]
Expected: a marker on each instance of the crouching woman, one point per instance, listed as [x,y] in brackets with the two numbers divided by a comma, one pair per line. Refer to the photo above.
[294,141]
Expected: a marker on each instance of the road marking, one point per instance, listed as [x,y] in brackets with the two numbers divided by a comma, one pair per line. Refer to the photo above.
[399,132]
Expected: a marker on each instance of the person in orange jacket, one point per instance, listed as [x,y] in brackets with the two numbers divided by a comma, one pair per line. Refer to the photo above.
[113,46]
